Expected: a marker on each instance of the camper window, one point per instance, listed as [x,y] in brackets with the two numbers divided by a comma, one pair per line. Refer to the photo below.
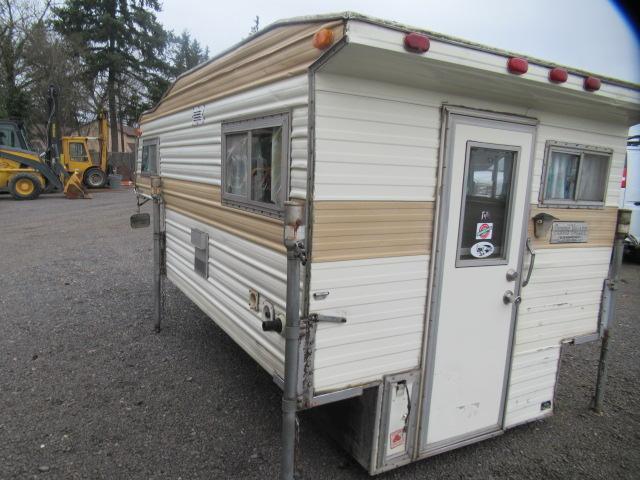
[575,175]
[254,169]
[149,162]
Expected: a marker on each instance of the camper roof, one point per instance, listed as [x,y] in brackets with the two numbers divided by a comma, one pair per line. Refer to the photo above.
[288,41]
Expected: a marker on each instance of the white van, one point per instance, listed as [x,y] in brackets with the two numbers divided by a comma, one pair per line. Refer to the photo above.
[630,195]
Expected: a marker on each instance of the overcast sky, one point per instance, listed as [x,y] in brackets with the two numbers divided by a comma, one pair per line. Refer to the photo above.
[587,34]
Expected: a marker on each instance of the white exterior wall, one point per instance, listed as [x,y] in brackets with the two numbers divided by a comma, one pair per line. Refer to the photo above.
[371,146]
[193,153]
[561,302]
[383,300]
[235,266]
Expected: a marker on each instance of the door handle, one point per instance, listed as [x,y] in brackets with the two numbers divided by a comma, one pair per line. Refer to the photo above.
[532,252]
[510,297]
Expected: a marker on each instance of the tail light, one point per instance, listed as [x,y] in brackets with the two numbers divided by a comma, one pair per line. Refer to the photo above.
[623,184]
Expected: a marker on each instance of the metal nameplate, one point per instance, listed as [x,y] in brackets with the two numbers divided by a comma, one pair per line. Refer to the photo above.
[569,232]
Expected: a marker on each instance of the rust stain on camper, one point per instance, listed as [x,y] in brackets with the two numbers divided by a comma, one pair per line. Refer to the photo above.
[202,202]
[277,54]
[601,226]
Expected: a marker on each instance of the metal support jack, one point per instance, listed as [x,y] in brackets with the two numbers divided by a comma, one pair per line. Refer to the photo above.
[294,235]
[157,254]
[608,313]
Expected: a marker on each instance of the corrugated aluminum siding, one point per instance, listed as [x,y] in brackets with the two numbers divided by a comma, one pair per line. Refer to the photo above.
[193,153]
[372,146]
[383,300]
[235,266]
[561,302]
[371,150]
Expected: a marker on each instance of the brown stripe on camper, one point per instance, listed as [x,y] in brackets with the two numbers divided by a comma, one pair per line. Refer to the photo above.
[143,183]
[202,202]
[277,54]
[353,230]
[601,226]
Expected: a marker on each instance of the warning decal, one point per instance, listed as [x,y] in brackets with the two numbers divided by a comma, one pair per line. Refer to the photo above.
[396,438]
[484,231]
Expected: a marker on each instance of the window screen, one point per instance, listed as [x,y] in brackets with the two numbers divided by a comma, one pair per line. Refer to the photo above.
[255,162]
[575,175]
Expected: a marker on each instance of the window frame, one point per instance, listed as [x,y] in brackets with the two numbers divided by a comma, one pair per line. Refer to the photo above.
[573,149]
[156,162]
[244,202]
[504,259]
[87,154]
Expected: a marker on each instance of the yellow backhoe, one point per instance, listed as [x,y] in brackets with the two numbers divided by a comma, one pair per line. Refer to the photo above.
[65,165]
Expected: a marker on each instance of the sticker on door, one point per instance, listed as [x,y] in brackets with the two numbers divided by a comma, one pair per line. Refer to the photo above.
[482,249]
[484,231]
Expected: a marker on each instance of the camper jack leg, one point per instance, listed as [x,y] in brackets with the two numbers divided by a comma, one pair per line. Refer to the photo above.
[157,255]
[293,240]
[622,229]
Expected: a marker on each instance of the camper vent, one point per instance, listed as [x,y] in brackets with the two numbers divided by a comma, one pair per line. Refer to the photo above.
[200,240]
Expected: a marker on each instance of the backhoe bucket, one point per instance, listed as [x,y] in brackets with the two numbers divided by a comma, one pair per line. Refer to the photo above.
[73,187]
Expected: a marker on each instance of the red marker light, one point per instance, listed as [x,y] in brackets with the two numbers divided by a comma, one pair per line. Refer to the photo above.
[623,184]
[558,75]
[591,84]
[517,65]
[416,42]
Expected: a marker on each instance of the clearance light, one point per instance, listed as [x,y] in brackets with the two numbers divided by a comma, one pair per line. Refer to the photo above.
[591,84]
[323,39]
[558,75]
[416,42]
[517,65]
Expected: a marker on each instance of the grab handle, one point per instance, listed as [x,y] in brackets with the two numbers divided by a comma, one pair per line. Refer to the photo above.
[531,262]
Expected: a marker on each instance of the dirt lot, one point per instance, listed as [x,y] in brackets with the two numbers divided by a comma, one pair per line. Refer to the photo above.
[87,391]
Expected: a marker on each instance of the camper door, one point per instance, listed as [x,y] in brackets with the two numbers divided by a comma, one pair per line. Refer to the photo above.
[483,223]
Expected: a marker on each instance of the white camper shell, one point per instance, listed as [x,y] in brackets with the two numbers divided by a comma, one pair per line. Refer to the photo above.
[438,178]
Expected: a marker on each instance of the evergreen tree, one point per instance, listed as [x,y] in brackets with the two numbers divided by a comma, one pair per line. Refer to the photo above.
[187,53]
[123,46]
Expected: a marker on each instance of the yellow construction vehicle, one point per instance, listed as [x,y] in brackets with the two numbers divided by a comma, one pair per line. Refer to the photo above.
[64,166]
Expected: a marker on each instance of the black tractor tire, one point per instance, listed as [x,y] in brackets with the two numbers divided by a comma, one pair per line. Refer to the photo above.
[25,186]
[95,178]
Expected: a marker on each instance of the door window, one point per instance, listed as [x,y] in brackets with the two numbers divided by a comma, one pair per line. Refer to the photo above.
[486,204]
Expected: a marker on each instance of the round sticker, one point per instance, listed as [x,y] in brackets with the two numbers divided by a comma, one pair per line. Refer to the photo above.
[482,249]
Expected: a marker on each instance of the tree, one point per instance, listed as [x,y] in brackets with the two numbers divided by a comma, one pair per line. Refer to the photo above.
[255,28]
[124,46]
[186,53]
[16,19]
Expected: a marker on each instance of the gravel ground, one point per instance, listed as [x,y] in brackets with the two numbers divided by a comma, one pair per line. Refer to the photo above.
[88,391]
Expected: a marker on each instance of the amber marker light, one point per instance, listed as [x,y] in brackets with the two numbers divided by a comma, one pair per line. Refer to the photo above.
[323,39]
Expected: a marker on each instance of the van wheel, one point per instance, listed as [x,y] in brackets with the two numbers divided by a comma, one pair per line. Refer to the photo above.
[95,178]
[25,186]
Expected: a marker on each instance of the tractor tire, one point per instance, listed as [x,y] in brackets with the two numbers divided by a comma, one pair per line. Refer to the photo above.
[95,178]
[25,186]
